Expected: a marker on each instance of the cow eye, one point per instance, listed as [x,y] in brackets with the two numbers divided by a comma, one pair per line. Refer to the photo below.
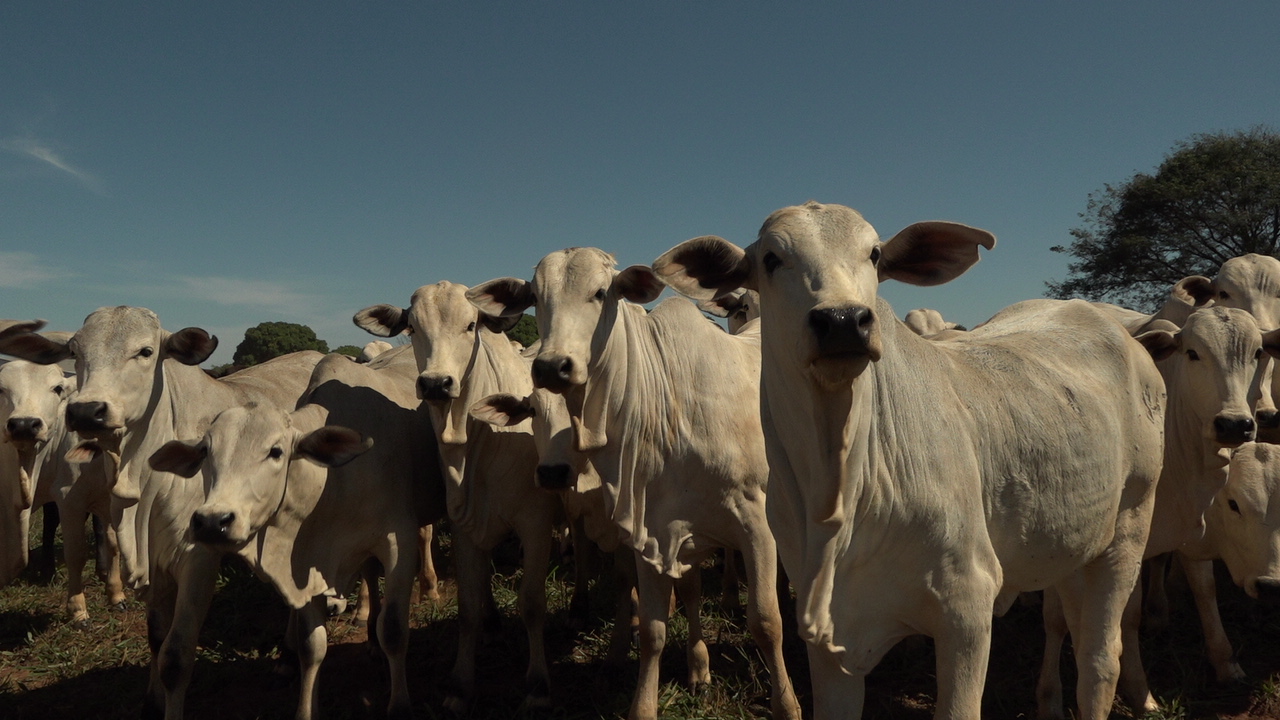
[875,255]
[771,262]
[146,352]
[1224,295]
[471,327]
[599,296]
[1193,355]
[57,389]
[1234,507]
[275,452]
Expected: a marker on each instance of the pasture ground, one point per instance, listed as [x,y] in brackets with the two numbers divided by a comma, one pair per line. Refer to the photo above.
[51,670]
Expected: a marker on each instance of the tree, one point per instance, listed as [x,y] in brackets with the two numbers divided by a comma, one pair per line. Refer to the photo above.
[525,331]
[1215,196]
[273,339]
[349,350]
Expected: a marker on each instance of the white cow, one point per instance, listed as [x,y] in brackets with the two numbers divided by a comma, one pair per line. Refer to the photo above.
[463,357]
[33,399]
[1209,368]
[139,389]
[305,527]
[664,403]
[740,307]
[927,322]
[900,507]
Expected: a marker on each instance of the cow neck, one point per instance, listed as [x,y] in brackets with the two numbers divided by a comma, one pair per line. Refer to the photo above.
[46,462]
[1195,470]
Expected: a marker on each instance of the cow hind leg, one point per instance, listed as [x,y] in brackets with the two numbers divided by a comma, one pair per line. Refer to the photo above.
[48,562]
[626,625]
[428,587]
[689,588]
[160,608]
[584,552]
[393,626]
[765,621]
[1203,587]
[1049,703]
[655,606]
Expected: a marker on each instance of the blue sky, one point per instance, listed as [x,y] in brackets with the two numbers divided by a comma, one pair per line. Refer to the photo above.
[234,162]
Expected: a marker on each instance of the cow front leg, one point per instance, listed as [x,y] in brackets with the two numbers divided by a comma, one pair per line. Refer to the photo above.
[309,639]
[473,570]
[178,654]
[1133,687]
[765,620]
[1049,702]
[536,543]
[626,625]
[655,606]
[75,549]
[837,694]
[689,588]
[1204,589]
[428,587]
[584,552]
[161,596]
[112,583]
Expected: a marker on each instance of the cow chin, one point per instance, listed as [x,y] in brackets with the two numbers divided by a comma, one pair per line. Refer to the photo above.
[839,371]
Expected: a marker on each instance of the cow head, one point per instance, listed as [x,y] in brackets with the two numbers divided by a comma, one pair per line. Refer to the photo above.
[446,330]
[1211,370]
[560,465]
[817,269]
[31,398]
[740,307]
[1244,521]
[577,293]
[118,352]
[245,455]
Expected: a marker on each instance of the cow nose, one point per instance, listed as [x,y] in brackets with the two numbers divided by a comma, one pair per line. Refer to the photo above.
[1269,419]
[842,330]
[436,387]
[24,428]
[211,527]
[553,477]
[1268,590]
[1233,430]
[87,416]
[554,373]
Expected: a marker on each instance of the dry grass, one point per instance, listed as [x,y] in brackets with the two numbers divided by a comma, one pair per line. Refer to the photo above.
[50,670]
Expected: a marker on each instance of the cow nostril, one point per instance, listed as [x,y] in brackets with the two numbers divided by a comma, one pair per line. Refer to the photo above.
[820,322]
[87,416]
[566,369]
[1234,429]
[211,527]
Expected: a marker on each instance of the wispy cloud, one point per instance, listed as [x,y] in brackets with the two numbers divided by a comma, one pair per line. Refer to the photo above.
[34,149]
[23,270]
[252,293]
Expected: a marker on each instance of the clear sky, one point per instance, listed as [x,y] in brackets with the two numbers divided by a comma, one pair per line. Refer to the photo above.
[225,163]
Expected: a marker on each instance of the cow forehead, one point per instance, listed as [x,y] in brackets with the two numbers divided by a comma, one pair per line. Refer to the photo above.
[1231,326]
[20,375]
[1251,272]
[814,226]
[112,326]
[440,302]
[247,424]
[572,267]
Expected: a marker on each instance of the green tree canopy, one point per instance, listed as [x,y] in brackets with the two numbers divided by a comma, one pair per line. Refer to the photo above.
[1215,196]
[273,339]
[525,331]
[349,350]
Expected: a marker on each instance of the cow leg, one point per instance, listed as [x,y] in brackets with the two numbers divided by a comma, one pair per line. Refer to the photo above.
[48,562]
[730,601]
[178,654]
[655,606]
[765,619]
[1133,685]
[1049,703]
[625,623]
[836,694]
[428,586]
[161,597]
[536,543]
[1204,589]
[1093,609]
[109,547]
[309,639]
[689,588]
[75,549]
[371,601]
[473,570]
[363,599]
[584,552]
[1155,613]
[393,622]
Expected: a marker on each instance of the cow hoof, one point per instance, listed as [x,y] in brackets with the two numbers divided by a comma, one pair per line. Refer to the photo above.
[81,624]
[118,606]
[335,606]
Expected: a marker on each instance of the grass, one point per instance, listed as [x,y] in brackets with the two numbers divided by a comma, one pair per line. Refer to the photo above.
[51,670]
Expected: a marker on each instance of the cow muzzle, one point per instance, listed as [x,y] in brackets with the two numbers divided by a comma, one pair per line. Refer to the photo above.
[845,333]
[25,429]
[438,388]
[554,373]
[554,477]
[212,527]
[1268,590]
[1234,430]
[89,417]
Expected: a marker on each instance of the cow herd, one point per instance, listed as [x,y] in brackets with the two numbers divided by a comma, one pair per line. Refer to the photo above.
[906,478]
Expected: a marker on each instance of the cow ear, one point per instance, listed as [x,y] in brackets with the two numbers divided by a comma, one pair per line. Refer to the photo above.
[28,345]
[502,410]
[179,458]
[503,297]
[190,346]
[499,323]
[1195,289]
[638,284]
[332,445]
[723,305]
[1160,343]
[382,320]
[932,253]
[13,327]
[705,267]
[1271,343]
